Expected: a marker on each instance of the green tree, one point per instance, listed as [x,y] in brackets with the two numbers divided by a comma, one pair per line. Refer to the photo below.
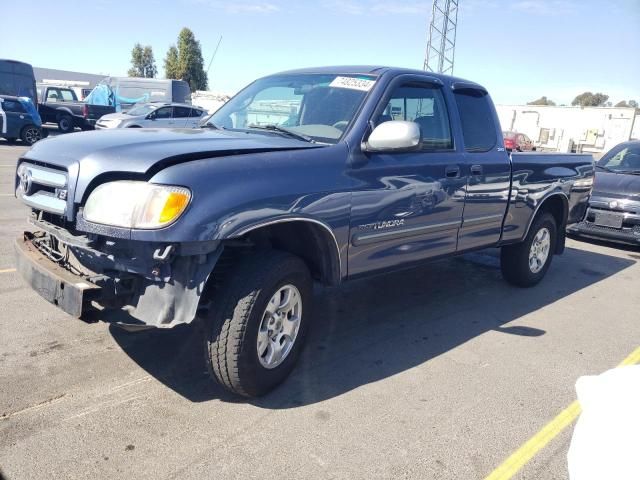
[185,62]
[542,101]
[171,64]
[588,99]
[142,61]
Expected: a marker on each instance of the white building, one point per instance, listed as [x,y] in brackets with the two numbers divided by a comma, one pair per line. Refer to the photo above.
[566,129]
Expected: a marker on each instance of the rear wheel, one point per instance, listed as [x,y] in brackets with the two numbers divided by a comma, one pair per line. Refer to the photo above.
[258,323]
[30,134]
[65,123]
[525,264]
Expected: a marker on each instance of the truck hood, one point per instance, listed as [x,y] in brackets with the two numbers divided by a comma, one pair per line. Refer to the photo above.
[617,185]
[142,151]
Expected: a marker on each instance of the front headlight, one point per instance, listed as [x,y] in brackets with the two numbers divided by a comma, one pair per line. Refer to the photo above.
[134,204]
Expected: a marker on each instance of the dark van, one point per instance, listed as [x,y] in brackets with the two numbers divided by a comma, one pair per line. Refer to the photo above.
[17,79]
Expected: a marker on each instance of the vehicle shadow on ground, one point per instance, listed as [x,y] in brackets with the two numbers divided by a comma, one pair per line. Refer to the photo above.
[371,329]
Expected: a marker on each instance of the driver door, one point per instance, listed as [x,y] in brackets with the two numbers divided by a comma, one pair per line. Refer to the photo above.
[407,206]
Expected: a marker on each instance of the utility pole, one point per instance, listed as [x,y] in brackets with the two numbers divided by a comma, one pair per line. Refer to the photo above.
[442,37]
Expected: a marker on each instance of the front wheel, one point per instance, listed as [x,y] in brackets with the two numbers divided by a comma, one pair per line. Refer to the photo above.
[525,264]
[258,323]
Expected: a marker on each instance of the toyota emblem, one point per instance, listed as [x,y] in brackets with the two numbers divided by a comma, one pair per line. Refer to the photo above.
[25,181]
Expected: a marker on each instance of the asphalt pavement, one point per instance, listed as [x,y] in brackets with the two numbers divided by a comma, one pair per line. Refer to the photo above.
[433,373]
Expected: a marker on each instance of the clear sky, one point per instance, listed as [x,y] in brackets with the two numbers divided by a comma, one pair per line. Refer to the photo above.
[520,50]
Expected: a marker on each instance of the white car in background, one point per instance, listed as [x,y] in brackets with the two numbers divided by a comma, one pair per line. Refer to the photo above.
[154,115]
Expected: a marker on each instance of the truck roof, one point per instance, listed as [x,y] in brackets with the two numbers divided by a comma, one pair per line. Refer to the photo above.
[378,70]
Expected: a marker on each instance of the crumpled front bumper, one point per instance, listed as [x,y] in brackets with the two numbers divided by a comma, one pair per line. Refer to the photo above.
[129,287]
[72,293]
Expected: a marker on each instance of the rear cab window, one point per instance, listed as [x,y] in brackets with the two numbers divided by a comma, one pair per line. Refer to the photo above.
[477,119]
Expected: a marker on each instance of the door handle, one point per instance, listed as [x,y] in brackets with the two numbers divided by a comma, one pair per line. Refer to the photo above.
[452,171]
[476,169]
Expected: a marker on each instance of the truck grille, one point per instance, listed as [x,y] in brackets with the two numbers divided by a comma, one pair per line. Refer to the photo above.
[42,188]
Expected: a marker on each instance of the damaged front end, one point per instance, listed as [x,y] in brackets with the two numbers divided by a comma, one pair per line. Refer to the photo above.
[135,284]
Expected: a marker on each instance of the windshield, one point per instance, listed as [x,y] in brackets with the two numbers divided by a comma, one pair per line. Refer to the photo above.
[622,159]
[317,106]
[140,110]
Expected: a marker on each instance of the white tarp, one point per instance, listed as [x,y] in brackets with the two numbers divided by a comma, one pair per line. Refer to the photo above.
[606,439]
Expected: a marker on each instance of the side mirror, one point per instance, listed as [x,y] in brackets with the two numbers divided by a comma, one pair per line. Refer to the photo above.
[395,135]
[151,116]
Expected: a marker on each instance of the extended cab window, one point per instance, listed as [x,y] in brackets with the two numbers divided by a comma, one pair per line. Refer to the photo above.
[478,126]
[425,106]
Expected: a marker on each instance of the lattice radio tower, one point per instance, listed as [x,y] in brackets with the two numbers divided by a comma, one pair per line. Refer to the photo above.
[442,37]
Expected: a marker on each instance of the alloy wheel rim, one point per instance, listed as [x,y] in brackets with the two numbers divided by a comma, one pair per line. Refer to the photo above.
[279,326]
[539,252]
[32,135]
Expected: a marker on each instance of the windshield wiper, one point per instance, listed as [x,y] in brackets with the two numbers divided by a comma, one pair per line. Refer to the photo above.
[286,131]
[605,169]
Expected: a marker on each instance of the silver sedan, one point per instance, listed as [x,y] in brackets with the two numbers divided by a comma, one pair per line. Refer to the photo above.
[154,115]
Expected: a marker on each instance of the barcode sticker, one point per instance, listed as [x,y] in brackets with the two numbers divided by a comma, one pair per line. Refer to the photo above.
[361,84]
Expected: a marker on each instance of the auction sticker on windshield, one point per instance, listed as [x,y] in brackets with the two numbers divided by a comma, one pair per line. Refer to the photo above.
[362,84]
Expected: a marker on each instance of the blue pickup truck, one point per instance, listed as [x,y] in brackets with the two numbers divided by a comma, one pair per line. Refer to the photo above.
[324,174]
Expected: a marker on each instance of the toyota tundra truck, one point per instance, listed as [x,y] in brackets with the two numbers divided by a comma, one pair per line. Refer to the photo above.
[316,175]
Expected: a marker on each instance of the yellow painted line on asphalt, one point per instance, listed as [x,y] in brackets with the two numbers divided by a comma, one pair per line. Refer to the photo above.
[551,430]
[8,270]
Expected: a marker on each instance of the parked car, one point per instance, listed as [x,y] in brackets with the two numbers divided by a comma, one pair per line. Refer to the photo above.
[518,142]
[154,115]
[19,119]
[60,105]
[230,223]
[614,206]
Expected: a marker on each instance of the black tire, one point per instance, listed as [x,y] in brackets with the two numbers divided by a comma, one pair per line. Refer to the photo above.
[514,259]
[65,123]
[231,331]
[30,134]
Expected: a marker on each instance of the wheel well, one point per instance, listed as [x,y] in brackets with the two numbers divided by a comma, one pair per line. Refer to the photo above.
[558,206]
[313,243]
